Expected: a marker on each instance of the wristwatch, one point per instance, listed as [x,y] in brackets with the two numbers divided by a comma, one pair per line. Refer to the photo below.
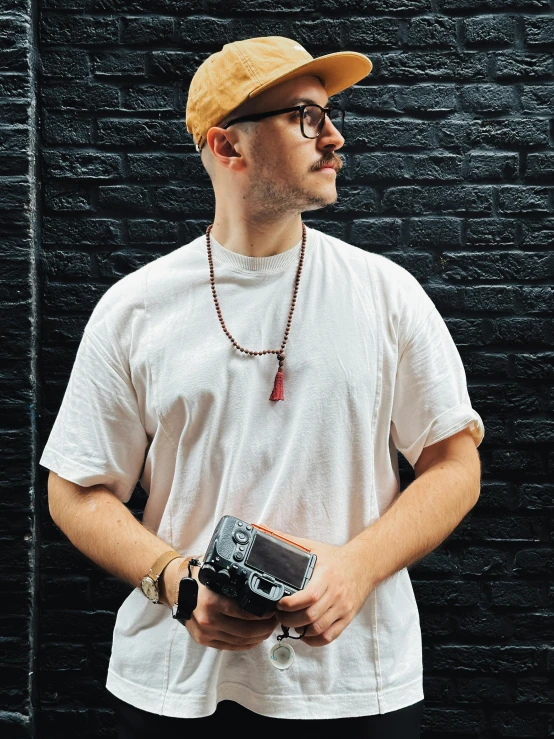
[149,583]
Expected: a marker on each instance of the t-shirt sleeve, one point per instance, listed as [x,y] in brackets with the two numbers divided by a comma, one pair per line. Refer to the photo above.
[431,399]
[98,436]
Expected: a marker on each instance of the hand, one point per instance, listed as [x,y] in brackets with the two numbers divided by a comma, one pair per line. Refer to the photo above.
[334,595]
[219,622]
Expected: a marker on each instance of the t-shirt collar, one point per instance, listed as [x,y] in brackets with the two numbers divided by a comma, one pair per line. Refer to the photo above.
[275,263]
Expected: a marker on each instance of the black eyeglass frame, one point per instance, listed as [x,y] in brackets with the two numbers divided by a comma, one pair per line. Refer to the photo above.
[301,108]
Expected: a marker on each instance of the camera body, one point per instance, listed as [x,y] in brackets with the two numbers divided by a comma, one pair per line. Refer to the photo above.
[254,565]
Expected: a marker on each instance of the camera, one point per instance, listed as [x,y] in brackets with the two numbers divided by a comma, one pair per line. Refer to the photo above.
[254,565]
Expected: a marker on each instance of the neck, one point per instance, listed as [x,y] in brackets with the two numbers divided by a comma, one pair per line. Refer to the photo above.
[257,238]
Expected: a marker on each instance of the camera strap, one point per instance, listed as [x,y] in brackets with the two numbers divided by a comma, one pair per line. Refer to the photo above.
[286,634]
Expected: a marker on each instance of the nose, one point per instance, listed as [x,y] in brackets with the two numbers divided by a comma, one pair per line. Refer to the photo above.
[330,135]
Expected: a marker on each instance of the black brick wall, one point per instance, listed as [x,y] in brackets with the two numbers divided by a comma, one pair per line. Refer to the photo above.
[449,171]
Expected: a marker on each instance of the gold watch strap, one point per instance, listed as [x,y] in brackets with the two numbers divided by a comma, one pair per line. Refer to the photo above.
[161,563]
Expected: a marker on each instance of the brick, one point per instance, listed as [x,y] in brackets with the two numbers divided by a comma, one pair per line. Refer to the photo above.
[67,63]
[497,266]
[373,167]
[455,721]
[148,30]
[484,690]
[537,98]
[482,561]
[536,496]
[488,98]
[534,562]
[489,299]
[458,5]
[485,364]
[66,264]
[493,659]
[168,167]
[439,65]
[492,166]
[83,231]
[434,231]
[537,233]
[536,430]
[517,594]
[482,625]
[67,130]
[435,98]
[373,133]
[145,231]
[512,723]
[174,65]
[373,33]
[457,200]
[539,31]
[433,167]
[536,365]
[534,690]
[431,32]
[149,97]
[516,65]
[130,197]
[128,132]
[376,6]
[70,198]
[514,133]
[377,232]
[447,593]
[79,30]
[77,165]
[458,135]
[540,166]
[501,528]
[80,96]
[119,63]
[497,30]
[517,200]
[379,99]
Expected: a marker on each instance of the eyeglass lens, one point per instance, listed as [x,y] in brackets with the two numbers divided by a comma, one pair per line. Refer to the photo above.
[312,120]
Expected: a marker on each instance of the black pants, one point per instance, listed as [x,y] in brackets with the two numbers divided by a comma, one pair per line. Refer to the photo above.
[134,723]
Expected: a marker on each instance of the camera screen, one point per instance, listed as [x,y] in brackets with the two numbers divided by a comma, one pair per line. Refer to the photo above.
[277,558]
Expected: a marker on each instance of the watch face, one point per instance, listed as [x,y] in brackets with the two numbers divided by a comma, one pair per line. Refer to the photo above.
[148,587]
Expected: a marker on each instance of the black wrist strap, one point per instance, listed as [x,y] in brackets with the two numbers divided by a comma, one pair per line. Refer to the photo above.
[187,598]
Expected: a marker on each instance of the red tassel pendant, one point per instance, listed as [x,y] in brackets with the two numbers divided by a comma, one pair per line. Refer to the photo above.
[278,387]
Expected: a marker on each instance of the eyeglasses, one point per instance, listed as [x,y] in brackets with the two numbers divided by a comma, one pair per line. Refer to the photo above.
[312,118]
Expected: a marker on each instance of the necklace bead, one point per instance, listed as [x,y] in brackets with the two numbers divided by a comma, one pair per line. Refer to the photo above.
[278,391]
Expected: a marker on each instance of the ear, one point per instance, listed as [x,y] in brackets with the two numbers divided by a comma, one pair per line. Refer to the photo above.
[226,147]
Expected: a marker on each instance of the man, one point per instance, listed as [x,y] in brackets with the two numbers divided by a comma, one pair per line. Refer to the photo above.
[267,371]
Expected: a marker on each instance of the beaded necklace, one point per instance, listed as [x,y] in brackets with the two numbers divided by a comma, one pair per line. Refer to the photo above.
[278,385]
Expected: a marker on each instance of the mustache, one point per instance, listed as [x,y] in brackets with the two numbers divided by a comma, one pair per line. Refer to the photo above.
[334,161]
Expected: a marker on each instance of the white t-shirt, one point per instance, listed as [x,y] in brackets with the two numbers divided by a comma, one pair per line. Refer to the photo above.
[370,368]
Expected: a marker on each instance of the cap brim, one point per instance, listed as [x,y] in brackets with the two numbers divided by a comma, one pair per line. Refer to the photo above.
[337,71]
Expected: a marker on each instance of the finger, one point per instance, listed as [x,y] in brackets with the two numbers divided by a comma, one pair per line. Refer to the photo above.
[306,598]
[324,622]
[310,615]
[230,607]
[327,636]
[238,640]
[250,629]
[232,647]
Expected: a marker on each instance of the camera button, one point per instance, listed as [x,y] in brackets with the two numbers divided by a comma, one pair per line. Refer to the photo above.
[241,537]
[238,556]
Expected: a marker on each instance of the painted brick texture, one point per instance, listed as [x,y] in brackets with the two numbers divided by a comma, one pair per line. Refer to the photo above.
[449,171]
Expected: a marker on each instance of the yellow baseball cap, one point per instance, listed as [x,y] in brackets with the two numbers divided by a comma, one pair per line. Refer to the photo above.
[244,69]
